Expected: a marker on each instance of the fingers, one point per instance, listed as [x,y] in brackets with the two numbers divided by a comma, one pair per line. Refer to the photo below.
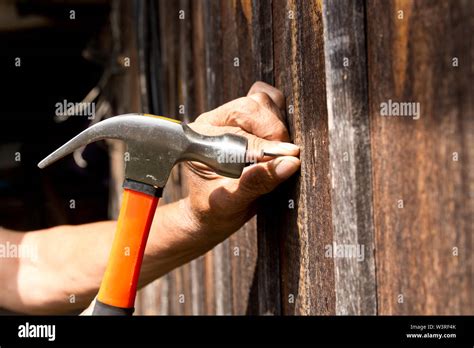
[268,110]
[257,113]
[257,145]
[263,178]
[270,98]
[275,95]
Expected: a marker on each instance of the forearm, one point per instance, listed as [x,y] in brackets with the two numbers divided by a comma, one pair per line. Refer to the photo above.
[70,261]
[177,236]
[62,270]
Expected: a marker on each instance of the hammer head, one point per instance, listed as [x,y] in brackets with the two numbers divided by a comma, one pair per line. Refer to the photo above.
[156,144]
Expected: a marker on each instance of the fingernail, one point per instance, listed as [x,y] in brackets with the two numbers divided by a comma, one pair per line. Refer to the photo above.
[286,167]
[284,149]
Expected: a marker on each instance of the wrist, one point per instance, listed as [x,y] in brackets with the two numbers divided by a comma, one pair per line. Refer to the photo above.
[175,238]
[191,219]
[205,227]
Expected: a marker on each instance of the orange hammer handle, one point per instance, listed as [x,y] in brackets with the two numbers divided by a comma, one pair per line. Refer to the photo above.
[119,284]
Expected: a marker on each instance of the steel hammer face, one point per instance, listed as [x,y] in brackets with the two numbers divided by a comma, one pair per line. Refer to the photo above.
[156,144]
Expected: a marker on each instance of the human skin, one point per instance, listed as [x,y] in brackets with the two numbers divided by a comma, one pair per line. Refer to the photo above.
[66,274]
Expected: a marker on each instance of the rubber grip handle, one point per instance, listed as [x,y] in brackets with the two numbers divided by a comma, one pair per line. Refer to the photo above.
[119,284]
[104,309]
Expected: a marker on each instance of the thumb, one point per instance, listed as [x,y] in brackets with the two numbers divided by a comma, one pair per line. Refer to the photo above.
[264,177]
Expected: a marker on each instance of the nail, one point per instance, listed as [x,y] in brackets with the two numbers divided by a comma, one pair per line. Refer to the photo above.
[284,149]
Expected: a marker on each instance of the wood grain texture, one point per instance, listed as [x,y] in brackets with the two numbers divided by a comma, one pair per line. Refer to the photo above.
[349,138]
[356,164]
[238,72]
[423,199]
[204,266]
[307,275]
[168,66]
[248,57]
[187,112]
[129,100]
[169,92]
[214,79]
[268,282]
[192,278]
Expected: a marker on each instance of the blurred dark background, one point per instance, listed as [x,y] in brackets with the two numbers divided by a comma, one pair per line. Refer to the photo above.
[60,60]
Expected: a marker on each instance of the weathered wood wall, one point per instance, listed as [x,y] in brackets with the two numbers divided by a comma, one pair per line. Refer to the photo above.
[422,169]
[399,188]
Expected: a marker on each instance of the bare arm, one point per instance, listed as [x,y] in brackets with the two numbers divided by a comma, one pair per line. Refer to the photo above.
[64,265]
[71,260]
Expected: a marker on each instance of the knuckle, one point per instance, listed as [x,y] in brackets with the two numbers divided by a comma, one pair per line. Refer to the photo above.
[260,85]
[246,123]
[232,117]
[238,119]
[280,133]
[262,98]
[256,86]
[255,143]
[278,94]
[242,110]
[250,105]
[275,127]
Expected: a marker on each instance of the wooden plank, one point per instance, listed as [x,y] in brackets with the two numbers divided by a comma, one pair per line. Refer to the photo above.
[167,24]
[349,139]
[303,214]
[423,200]
[221,261]
[129,100]
[203,267]
[174,293]
[192,272]
[248,57]
[141,24]
[237,67]
[169,44]
[268,261]
[185,298]
[186,110]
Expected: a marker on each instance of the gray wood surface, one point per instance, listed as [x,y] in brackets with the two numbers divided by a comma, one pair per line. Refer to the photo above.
[357,166]
[349,139]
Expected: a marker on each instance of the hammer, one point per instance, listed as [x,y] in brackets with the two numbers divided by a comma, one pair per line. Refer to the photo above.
[155,144]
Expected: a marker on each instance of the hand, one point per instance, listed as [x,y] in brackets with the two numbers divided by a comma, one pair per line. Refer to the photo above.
[215,208]
[222,205]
